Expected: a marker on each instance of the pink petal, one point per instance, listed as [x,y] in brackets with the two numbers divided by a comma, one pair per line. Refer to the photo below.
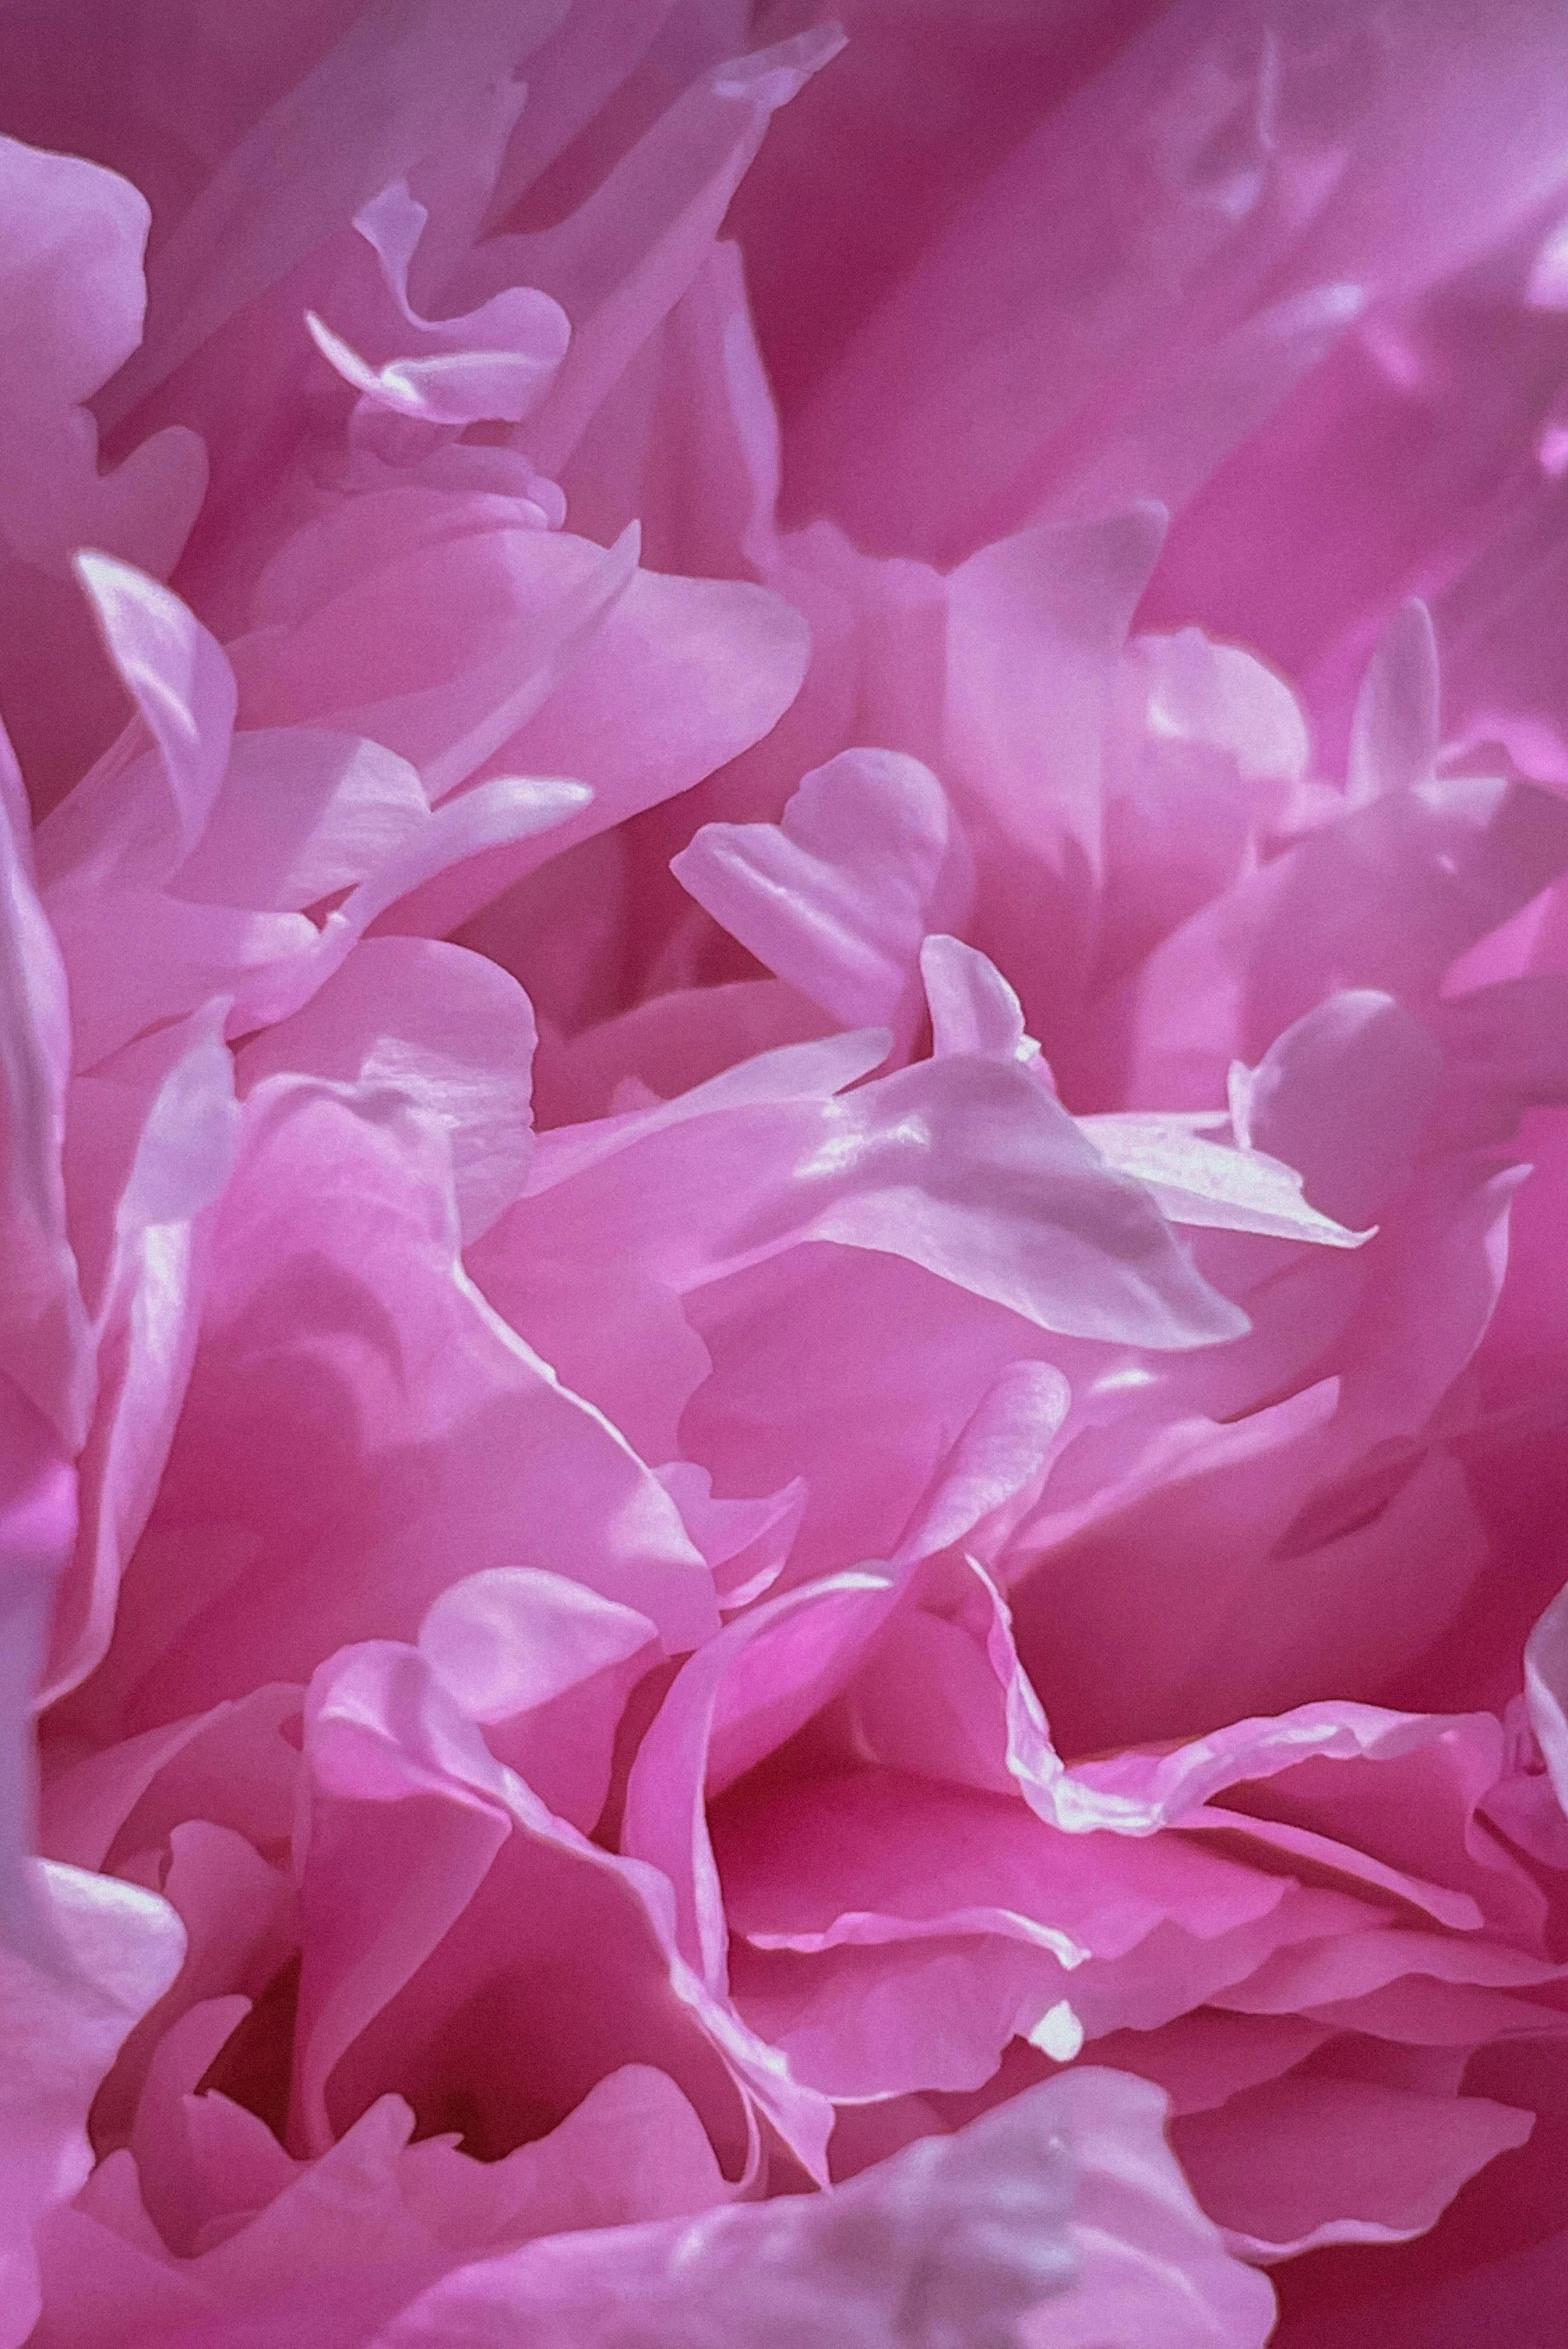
[966,2229]
[37,1530]
[257,216]
[838,898]
[74,237]
[445,1028]
[43,1334]
[340,1218]
[490,621]
[150,1145]
[1015,1206]
[116,1950]
[634,247]
[680,676]
[1305,2161]
[1395,732]
[177,675]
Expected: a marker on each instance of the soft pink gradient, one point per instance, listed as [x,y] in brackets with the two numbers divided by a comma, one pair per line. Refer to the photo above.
[784,1332]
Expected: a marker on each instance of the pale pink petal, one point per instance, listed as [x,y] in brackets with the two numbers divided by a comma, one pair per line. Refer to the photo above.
[994,1473]
[404,1791]
[386,1399]
[305,817]
[301,816]
[672,1043]
[1387,898]
[1206,750]
[149,1146]
[1015,1206]
[959,2238]
[495,361]
[746,1543]
[1343,1095]
[731,1704]
[489,621]
[837,899]
[1394,736]
[1546,1685]
[1198,1181]
[443,1027]
[234,1768]
[1034,627]
[508,1640]
[63,2020]
[545,1667]
[37,1531]
[178,677]
[43,1332]
[694,407]
[73,291]
[1151,2269]
[632,2151]
[972,1007]
[680,676]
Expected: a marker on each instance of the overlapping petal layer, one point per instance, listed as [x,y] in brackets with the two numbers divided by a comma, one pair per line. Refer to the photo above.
[783,1348]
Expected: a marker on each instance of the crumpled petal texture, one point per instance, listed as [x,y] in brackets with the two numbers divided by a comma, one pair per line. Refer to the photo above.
[783,1064]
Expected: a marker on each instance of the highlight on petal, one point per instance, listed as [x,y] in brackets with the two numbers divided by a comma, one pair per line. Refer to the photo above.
[1200,1181]
[38,1514]
[965,1165]
[494,362]
[1394,732]
[178,676]
[1546,1686]
[959,2238]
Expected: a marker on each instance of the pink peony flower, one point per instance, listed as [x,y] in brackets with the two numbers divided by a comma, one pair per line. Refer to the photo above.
[784,1336]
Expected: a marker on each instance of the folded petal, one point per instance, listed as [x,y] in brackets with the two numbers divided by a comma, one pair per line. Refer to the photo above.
[836,900]
[116,1950]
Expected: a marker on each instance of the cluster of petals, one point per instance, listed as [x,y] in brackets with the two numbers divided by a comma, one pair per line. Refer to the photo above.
[784,1319]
